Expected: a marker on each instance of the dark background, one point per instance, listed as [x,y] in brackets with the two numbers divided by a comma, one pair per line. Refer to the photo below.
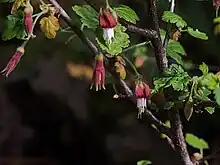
[48,115]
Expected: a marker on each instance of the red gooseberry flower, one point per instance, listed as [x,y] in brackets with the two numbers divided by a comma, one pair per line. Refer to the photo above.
[13,61]
[98,77]
[28,20]
[108,19]
[216,3]
[142,93]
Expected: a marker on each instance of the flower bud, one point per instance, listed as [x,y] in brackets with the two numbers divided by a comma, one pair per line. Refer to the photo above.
[142,93]
[28,20]
[98,73]
[13,61]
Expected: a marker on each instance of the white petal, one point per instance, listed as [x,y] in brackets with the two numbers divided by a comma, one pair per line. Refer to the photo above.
[145,102]
[108,34]
[139,102]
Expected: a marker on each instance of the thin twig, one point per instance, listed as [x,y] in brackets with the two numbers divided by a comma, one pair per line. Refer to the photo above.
[176,124]
[159,124]
[136,46]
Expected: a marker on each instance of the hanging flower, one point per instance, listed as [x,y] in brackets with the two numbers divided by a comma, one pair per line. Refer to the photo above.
[13,61]
[98,77]
[28,20]
[108,19]
[216,4]
[142,92]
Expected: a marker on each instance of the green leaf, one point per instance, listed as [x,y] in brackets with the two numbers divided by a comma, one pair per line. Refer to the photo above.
[174,50]
[188,110]
[197,34]
[204,68]
[14,26]
[196,142]
[168,105]
[144,162]
[162,34]
[216,20]
[209,80]
[175,56]
[120,41]
[176,47]
[88,16]
[127,14]
[217,95]
[210,110]
[173,18]
[202,94]
[167,123]
[175,76]
[6,1]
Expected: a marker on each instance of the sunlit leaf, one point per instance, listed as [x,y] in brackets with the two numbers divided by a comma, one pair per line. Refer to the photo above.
[210,110]
[197,34]
[144,162]
[127,14]
[171,17]
[204,68]
[79,70]
[120,69]
[49,25]
[196,142]
[14,26]
[217,95]
[88,16]
[16,5]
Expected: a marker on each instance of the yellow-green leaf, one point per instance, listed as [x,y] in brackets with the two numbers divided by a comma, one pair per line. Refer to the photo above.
[197,34]
[16,5]
[49,25]
[196,142]
[127,14]
[120,69]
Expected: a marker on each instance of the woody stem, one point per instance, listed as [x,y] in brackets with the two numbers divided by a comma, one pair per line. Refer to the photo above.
[132,65]
[136,46]
[34,24]
[107,4]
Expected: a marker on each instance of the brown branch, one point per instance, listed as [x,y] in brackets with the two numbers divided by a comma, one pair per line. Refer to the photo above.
[159,124]
[164,129]
[178,138]
[176,124]
[207,104]
[154,36]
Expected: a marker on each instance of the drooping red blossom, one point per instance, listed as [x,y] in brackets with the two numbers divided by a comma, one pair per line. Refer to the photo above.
[13,62]
[98,73]
[216,3]
[142,93]
[107,19]
[142,90]
[28,20]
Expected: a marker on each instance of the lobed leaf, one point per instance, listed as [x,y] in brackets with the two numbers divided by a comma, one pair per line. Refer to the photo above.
[88,16]
[197,34]
[196,142]
[173,18]
[127,14]
[14,26]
